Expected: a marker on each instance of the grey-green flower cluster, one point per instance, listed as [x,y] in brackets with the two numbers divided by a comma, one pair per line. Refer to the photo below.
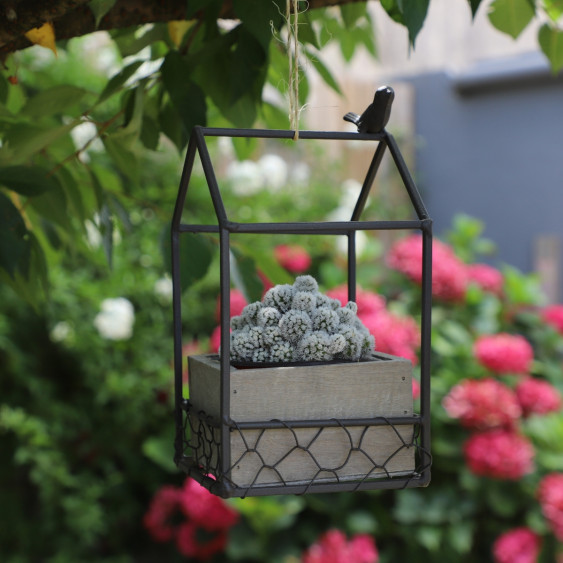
[297,323]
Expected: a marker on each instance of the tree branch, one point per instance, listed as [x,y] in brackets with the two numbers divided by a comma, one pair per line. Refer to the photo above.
[73,18]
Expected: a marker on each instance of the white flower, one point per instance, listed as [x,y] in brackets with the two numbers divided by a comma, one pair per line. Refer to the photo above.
[246,177]
[116,318]
[61,331]
[300,174]
[163,288]
[274,171]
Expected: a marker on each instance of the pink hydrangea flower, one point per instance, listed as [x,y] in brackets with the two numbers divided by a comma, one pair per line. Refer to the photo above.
[504,353]
[537,396]
[368,302]
[165,506]
[550,495]
[399,336]
[238,303]
[482,403]
[190,544]
[553,315]
[205,509]
[293,258]
[500,454]
[449,273]
[333,547]
[486,277]
[520,545]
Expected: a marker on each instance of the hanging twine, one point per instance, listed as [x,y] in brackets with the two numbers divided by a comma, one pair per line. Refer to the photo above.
[293,55]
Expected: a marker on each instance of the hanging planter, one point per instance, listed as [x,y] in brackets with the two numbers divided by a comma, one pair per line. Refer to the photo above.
[297,420]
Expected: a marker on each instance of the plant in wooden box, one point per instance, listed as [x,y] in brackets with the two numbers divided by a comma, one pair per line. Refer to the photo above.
[281,428]
[307,366]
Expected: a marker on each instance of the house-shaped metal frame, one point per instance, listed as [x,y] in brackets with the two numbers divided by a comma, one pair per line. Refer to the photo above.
[224,228]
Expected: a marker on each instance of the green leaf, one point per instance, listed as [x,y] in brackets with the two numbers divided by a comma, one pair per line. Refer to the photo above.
[52,205]
[26,180]
[129,133]
[14,241]
[351,13]
[150,133]
[25,140]
[393,10]
[551,43]
[129,42]
[554,9]
[186,96]
[171,126]
[118,80]
[256,16]
[160,450]
[307,33]
[100,8]
[196,255]
[245,275]
[474,4]
[56,100]
[414,14]
[323,71]
[511,16]
[124,159]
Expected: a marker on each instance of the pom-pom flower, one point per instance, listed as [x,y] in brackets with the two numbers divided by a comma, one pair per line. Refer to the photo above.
[486,277]
[333,547]
[481,404]
[500,454]
[520,545]
[293,258]
[449,273]
[553,315]
[297,323]
[537,396]
[504,353]
[550,495]
[191,516]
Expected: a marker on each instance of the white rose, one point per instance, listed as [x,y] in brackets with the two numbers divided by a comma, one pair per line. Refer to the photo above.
[116,318]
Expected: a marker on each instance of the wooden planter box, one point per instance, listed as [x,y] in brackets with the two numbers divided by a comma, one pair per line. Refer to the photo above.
[343,391]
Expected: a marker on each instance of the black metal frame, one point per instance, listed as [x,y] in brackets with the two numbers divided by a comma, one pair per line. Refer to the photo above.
[224,228]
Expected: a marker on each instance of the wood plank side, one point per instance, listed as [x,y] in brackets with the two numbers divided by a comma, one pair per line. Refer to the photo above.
[326,456]
[348,390]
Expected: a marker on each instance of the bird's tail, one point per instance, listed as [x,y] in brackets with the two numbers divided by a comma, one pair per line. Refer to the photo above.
[352,118]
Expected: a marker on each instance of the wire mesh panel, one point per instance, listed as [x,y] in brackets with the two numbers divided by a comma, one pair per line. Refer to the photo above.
[301,429]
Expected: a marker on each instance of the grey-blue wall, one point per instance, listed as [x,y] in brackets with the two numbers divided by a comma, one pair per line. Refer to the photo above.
[491,145]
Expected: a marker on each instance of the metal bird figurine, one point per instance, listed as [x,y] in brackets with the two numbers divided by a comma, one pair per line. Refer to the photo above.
[376,115]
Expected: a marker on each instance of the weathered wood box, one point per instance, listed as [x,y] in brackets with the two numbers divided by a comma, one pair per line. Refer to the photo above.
[310,452]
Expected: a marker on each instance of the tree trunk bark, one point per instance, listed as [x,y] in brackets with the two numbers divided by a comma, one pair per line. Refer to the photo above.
[73,18]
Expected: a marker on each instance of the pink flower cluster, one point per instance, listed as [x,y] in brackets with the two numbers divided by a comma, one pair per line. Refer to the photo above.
[550,495]
[499,453]
[553,315]
[399,336]
[537,396]
[293,258]
[486,277]
[450,276]
[182,514]
[520,545]
[333,547]
[504,353]
[482,404]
